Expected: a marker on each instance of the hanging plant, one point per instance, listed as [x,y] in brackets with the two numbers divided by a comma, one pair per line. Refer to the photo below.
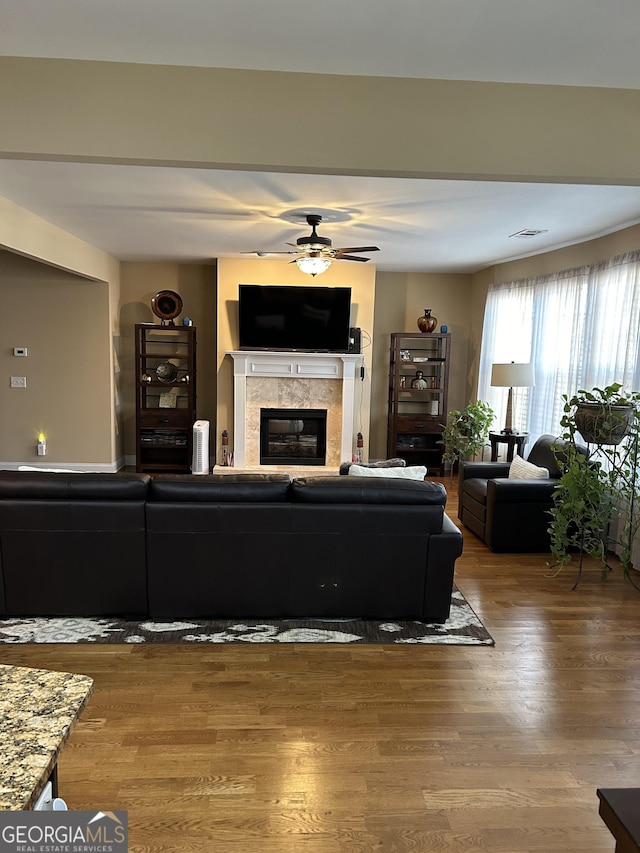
[601,490]
[604,415]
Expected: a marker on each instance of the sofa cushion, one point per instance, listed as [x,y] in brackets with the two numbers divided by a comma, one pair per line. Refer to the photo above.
[476,489]
[220,488]
[366,491]
[413,472]
[521,469]
[27,485]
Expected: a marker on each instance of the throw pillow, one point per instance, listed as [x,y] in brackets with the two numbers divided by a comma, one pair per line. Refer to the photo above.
[383,463]
[411,472]
[396,462]
[48,470]
[520,469]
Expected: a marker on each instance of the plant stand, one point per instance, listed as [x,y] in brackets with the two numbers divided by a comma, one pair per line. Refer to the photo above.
[620,461]
[600,488]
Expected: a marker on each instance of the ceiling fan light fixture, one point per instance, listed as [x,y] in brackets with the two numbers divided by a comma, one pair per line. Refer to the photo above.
[314,247]
[313,265]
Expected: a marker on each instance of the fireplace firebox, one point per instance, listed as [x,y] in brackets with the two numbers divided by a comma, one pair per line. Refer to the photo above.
[293,436]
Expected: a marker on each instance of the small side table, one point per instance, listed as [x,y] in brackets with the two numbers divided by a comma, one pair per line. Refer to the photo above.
[512,440]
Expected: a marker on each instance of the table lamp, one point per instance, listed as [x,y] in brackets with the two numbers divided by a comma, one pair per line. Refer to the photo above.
[511,376]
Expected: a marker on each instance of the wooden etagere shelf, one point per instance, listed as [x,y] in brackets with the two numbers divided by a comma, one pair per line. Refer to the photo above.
[165,363]
[418,397]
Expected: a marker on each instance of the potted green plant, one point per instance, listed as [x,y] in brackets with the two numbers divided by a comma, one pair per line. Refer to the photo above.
[597,499]
[603,415]
[466,431]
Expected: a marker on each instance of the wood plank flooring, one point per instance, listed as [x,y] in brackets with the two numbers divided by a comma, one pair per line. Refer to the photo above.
[340,749]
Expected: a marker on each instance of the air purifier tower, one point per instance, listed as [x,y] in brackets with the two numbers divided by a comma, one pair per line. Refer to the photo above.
[200,460]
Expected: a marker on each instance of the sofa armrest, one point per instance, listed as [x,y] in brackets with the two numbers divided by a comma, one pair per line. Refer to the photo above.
[478,471]
[518,514]
[448,526]
[482,470]
[444,550]
[503,490]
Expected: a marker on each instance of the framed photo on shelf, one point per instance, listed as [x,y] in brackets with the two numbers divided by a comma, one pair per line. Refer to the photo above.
[167,400]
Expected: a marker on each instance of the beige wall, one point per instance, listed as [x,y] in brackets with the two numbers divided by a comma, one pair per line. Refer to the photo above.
[196,284]
[400,299]
[119,112]
[29,236]
[359,277]
[63,320]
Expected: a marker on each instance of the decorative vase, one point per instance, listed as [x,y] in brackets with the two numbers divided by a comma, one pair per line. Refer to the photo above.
[427,323]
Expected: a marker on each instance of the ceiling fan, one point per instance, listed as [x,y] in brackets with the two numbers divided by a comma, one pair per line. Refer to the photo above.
[315,253]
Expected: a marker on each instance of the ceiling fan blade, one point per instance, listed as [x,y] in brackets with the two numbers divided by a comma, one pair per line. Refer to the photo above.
[263,252]
[340,257]
[358,249]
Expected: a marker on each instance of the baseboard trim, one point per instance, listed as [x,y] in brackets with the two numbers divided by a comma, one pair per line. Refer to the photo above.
[79,467]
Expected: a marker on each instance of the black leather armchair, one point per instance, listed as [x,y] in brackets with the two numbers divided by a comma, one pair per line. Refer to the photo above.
[510,515]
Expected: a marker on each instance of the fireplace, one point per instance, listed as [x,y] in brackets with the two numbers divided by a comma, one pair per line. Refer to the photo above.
[293,436]
[304,380]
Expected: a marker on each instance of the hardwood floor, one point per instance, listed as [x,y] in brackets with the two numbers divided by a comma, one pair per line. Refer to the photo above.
[340,749]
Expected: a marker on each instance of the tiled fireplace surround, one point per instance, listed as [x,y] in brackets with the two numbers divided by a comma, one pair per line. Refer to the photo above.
[280,380]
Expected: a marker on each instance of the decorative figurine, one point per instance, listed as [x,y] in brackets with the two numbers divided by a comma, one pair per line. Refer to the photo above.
[419,383]
[224,450]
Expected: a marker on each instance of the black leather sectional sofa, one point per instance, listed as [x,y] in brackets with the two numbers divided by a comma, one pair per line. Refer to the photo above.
[224,545]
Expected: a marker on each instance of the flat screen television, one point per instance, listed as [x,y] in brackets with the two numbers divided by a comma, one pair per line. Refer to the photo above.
[308,319]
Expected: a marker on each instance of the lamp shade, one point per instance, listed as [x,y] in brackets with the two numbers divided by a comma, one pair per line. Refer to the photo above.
[512,375]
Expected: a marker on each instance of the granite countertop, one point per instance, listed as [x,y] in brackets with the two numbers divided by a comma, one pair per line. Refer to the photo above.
[38,709]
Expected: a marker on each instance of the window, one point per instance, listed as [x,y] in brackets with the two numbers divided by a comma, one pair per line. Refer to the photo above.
[580,328]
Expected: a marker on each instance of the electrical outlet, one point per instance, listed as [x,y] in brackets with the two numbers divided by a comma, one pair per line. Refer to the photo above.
[18,381]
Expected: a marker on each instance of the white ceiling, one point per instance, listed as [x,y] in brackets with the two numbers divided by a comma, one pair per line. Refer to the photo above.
[575,42]
[150,213]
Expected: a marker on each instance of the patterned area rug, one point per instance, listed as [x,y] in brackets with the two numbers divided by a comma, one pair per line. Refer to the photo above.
[462,628]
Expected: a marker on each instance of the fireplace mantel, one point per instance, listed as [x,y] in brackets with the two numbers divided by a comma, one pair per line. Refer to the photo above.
[293,365]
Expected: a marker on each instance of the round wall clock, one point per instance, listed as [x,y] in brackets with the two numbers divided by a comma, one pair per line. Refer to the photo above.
[166,304]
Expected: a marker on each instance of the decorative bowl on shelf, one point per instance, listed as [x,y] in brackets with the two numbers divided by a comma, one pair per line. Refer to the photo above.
[167,372]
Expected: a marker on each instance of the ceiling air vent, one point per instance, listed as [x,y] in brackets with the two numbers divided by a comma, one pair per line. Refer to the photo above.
[527,233]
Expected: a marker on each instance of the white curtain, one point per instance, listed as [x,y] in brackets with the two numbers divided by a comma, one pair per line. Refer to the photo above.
[580,328]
